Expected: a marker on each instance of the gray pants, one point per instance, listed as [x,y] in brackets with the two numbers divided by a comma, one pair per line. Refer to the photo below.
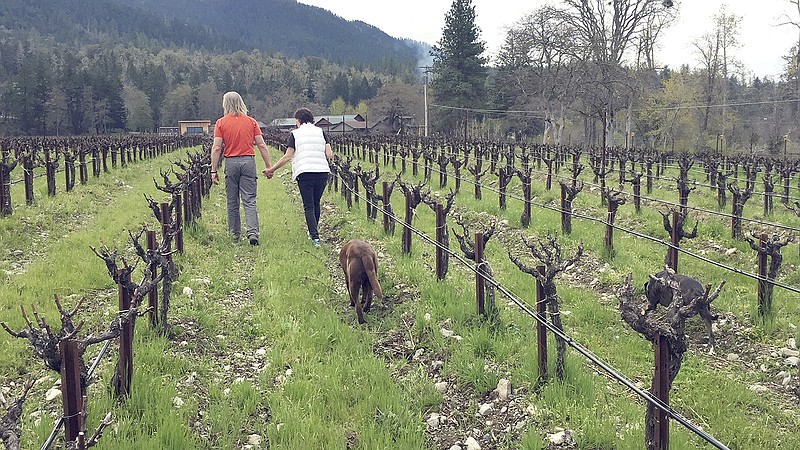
[240,182]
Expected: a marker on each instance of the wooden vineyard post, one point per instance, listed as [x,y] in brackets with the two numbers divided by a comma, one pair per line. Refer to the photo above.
[566,222]
[104,155]
[84,176]
[386,217]
[440,230]
[188,215]
[179,222]
[609,236]
[125,367]
[114,153]
[71,387]
[406,238]
[27,173]
[5,184]
[335,174]
[50,173]
[675,241]
[69,171]
[166,218]
[613,199]
[661,385]
[166,228]
[480,282]
[526,194]
[95,162]
[503,178]
[152,295]
[541,330]
[355,187]
[763,306]
[198,197]
[81,441]
[193,190]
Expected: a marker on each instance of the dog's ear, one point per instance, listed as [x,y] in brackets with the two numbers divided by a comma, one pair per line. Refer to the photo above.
[645,285]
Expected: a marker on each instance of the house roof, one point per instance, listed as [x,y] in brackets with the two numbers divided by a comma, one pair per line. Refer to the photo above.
[330,122]
[338,118]
[284,122]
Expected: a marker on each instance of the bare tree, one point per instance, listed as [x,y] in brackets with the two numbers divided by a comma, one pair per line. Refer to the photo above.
[795,22]
[538,71]
[714,48]
[605,33]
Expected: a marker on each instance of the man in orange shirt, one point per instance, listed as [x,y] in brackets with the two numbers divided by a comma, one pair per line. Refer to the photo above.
[236,132]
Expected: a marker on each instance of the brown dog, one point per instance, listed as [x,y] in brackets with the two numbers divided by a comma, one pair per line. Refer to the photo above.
[360,266]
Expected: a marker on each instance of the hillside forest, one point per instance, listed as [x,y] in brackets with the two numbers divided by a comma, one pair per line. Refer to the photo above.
[559,78]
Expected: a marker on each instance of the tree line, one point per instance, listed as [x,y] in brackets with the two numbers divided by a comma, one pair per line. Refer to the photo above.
[588,72]
[568,73]
[53,89]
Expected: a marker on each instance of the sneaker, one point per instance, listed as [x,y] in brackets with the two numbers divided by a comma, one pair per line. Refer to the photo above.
[253,241]
[316,242]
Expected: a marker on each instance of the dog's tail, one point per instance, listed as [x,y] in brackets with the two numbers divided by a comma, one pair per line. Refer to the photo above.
[372,273]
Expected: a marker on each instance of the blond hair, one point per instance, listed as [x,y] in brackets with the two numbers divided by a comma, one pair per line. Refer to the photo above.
[232,103]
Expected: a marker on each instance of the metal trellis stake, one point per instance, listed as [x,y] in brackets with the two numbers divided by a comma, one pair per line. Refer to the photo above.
[71,387]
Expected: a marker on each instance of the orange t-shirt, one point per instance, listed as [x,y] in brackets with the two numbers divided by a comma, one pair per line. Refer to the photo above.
[238,133]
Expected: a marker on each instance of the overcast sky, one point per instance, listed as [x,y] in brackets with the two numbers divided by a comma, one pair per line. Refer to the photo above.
[763,43]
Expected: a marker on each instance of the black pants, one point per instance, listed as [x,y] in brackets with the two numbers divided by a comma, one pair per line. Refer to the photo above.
[312,186]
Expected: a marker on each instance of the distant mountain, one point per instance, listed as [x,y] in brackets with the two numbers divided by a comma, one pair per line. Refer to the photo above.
[285,26]
[293,29]
[97,21]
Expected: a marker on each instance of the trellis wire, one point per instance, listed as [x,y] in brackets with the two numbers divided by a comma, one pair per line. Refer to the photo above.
[578,347]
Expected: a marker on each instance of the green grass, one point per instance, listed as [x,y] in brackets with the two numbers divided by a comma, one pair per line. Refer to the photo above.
[266,344]
[257,315]
[605,415]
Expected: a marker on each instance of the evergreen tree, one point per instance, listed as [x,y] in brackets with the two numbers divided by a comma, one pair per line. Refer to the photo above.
[155,86]
[28,94]
[107,84]
[73,80]
[339,87]
[361,91]
[459,67]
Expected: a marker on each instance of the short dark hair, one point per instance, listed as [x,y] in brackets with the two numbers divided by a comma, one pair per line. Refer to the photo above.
[304,116]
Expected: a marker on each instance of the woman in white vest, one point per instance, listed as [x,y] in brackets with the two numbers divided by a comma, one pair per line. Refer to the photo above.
[309,149]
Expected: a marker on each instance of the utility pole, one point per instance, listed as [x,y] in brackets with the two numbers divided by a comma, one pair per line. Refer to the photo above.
[427,69]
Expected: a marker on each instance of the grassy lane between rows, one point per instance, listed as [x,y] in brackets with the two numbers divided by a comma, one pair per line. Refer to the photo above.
[48,245]
[263,347]
[709,390]
[255,353]
[53,239]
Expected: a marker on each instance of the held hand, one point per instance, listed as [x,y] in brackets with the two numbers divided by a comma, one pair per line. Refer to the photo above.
[215,178]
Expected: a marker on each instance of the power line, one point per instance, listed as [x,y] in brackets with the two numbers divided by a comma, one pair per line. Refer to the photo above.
[694,208]
[638,234]
[585,352]
[642,235]
[539,114]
